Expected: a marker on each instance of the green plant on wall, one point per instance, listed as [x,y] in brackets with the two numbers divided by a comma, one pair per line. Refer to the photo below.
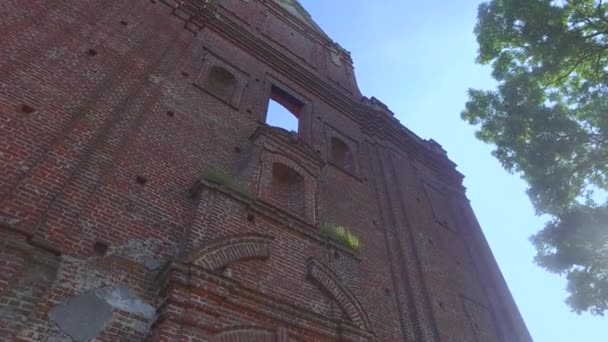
[341,235]
[220,177]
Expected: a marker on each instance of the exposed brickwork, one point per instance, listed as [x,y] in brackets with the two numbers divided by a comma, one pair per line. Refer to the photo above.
[236,248]
[112,110]
[328,281]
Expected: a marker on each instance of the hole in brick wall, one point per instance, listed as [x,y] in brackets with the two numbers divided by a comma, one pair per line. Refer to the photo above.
[365,179]
[387,291]
[249,111]
[91,52]
[374,222]
[441,305]
[251,218]
[237,149]
[123,23]
[185,74]
[170,114]
[141,180]
[430,241]
[27,109]
[100,247]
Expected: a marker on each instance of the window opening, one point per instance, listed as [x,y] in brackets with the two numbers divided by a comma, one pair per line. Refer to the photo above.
[283,110]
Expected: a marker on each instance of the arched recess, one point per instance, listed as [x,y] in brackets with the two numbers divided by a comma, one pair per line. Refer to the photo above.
[326,279]
[221,82]
[289,184]
[251,335]
[341,154]
[288,189]
[235,248]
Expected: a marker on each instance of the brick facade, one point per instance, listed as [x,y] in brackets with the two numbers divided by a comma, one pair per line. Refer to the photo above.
[111,111]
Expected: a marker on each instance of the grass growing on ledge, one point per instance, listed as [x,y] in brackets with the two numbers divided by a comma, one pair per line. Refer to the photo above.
[220,177]
[341,235]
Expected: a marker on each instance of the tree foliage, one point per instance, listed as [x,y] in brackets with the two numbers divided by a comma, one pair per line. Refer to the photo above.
[548,120]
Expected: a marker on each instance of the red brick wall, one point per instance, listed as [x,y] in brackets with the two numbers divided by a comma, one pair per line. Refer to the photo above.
[108,122]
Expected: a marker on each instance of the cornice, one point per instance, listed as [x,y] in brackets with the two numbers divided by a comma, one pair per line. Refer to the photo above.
[298,24]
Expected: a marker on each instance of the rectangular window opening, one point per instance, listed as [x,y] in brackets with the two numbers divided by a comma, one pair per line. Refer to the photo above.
[283,110]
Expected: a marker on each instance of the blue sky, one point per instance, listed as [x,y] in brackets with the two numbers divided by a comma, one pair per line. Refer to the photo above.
[418,57]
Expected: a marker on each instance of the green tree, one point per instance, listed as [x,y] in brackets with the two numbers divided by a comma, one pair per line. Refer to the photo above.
[548,121]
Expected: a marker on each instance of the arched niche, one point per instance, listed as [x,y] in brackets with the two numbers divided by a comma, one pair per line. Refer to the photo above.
[288,188]
[342,155]
[288,184]
[221,82]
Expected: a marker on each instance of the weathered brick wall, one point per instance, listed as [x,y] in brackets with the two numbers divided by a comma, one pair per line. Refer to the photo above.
[110,115]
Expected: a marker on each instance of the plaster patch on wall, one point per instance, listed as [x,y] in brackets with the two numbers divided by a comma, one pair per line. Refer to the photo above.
[143,251]
[121,297]
[84,316]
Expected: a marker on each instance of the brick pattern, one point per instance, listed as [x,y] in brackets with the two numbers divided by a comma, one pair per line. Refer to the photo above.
[250,335]
[109,121]
[328,280]
[232,249]
[26,275]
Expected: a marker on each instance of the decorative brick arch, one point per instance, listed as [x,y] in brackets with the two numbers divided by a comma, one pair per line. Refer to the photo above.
[328,281]
[234,248]
[248,334]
